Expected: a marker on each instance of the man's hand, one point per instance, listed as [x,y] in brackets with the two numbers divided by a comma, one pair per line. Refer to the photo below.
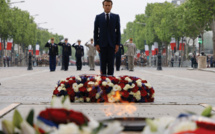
[117,48]
[98,48]
[49,41]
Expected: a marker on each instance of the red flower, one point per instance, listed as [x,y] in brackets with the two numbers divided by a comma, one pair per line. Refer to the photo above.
[71,82]
[125,94]
[58,116]
[83,89]
[205,125]
[144,81]
[44,114]
[135,89]
[70,92]
[122,85]
[56,92]
[77,118]
[143,93]
[92,93]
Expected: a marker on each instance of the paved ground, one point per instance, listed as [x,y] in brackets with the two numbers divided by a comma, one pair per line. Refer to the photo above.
[177,90]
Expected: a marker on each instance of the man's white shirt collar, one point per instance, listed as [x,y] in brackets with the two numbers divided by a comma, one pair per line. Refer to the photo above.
[106,14]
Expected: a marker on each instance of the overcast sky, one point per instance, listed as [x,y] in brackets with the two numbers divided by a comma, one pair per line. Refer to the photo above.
[75,18]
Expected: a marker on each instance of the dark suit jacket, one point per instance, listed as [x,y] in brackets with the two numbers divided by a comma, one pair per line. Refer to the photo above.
[66,48]
[104,34]
[53,49]
[79,50]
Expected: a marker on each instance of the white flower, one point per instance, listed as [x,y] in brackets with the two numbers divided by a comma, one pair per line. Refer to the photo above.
[118,78]
[104,83]
[110,84]
[98,78]
[139,84]
[92,123]
[89,89]
[132,86]
[158,126]
[67,104]
[117,88]
[27,128]
[112,128]
[111,99]
[88,99]
[70,128]
[108,80]
[185,126]
[80,85]
[77,100]
[81,99]
[63,89]
[91,83]
[128,79]
[148,85]
[59,89]
[96,83]
[97,95]
[139,80]
[57,102]
[78,78]
[86,130]
[127,86]
[75,87]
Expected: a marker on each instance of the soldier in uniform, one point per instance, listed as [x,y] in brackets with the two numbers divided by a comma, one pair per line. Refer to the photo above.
[91,54]
[130,53]
[79,53]
[53,52]
[118,57]
[66,53]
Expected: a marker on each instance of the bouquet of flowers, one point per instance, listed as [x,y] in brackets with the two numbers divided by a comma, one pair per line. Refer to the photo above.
[184,124]
[110,89]
[58,119]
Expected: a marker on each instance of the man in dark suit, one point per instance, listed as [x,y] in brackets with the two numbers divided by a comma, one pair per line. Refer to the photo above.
[66,53]
[118,57]
[107,37]
[78,54]
[53,52]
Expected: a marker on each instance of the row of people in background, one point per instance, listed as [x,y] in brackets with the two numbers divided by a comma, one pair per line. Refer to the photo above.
[66,54]
[6,60]
[179,61]
[53,52]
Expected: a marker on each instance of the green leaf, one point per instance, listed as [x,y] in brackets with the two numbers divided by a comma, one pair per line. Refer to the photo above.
[17,119]
[153,127]
[207,112]
[30,118]
[95,131]
[7,127]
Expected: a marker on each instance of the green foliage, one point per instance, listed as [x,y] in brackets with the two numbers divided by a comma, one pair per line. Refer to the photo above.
[166,20]
[30,118]
[17,119]
[19,25]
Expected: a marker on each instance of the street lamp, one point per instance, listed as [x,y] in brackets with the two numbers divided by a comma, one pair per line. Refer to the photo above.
[16,2]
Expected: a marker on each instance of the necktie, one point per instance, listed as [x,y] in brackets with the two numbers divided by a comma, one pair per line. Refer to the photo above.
[107,18]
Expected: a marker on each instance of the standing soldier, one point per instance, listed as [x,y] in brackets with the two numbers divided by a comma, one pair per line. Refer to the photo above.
[66,53]
[91,54]
[118,57]
[53,52]
[79,53]
[130,53]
